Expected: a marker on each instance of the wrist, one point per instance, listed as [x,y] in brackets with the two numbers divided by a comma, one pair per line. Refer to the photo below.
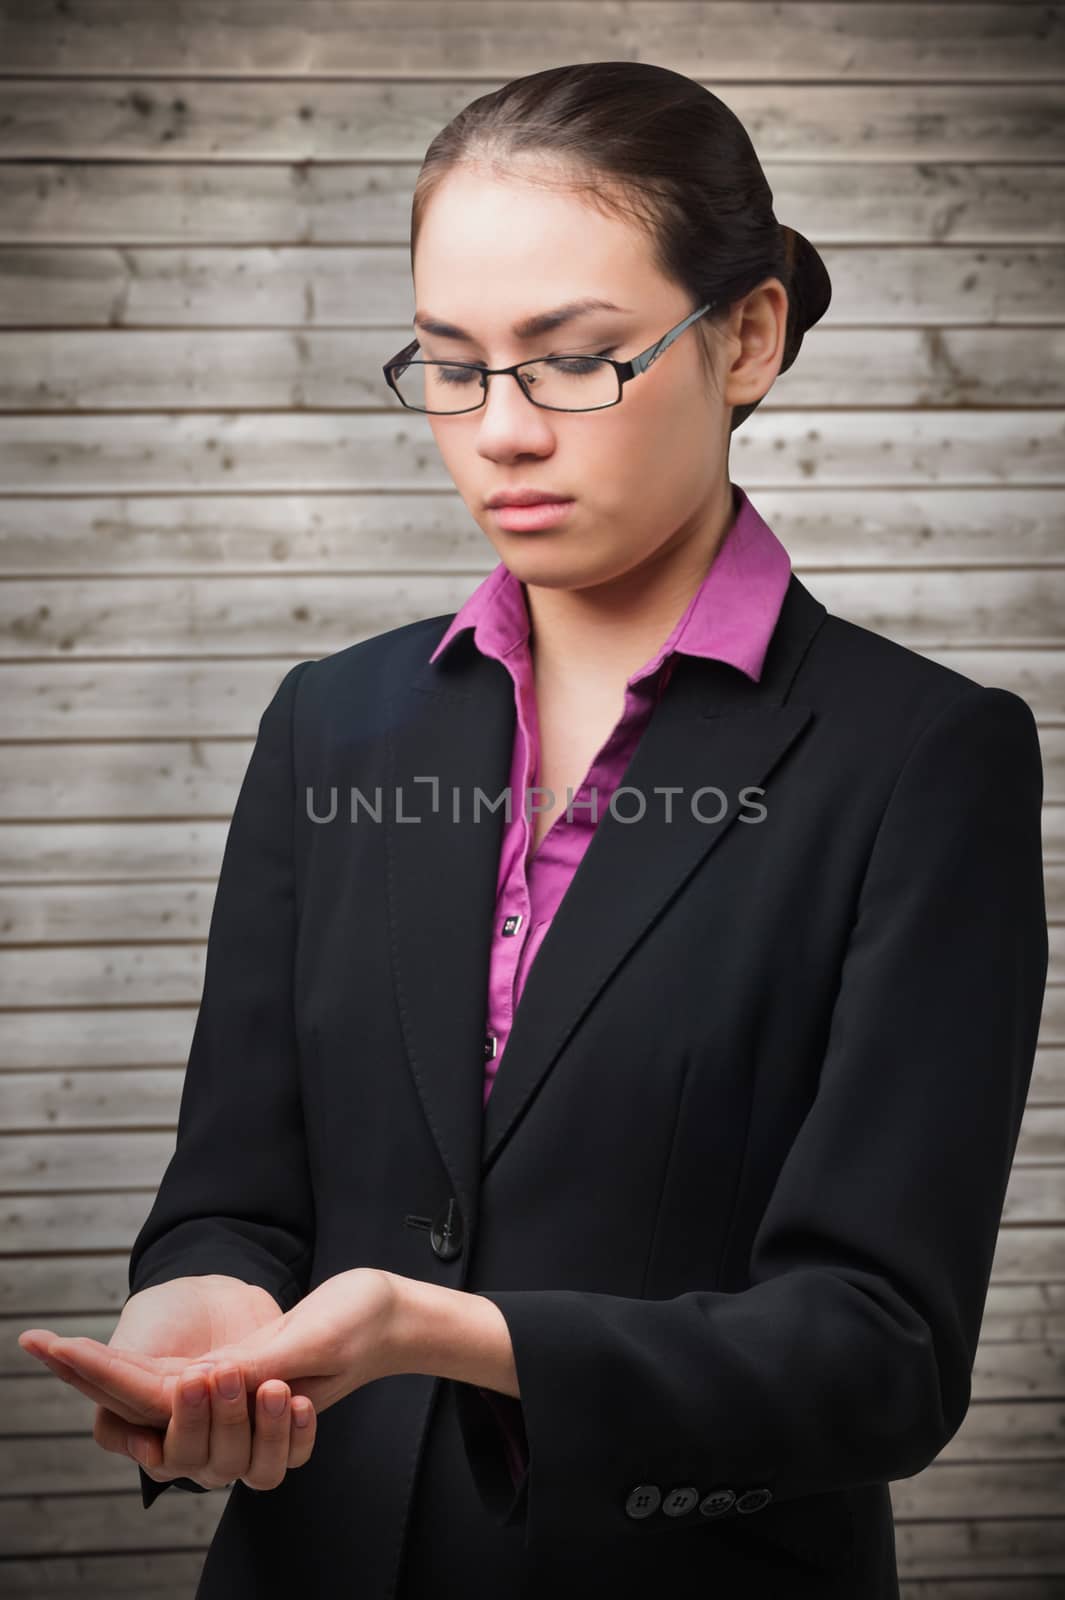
[449,1333]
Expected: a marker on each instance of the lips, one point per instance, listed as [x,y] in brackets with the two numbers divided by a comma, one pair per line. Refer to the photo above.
[526,497]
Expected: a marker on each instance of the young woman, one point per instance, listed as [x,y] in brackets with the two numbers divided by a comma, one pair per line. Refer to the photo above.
[604,1191]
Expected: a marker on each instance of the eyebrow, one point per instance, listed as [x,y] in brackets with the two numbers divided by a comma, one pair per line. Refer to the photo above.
[530,328]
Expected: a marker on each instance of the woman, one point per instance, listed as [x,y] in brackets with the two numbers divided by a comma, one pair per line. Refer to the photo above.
[660,1277]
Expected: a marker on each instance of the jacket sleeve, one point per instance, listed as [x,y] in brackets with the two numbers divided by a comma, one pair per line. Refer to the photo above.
[236,1196]
[848,1358]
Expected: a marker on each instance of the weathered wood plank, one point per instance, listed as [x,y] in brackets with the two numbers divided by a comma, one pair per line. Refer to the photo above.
[85,286]
[1027,1316]
[69,1496]
[95,913]
[163,1575]
[192,778]
[138,1097]
[72,1039]
[955,1490]
[151,203]
[395,450]
[202,699]
[80,852]
[999,1588]
[151,974]
[39,1287]
[156,778]
[257,615]
[77,852]
[111,1037]
[311,369]
[197,119]
[95,1220]
[849,528]
[1023,1426]
[108,1219]
[51,1466]
[144,974]
[1004,1588]
[1017,1551]
[490,39]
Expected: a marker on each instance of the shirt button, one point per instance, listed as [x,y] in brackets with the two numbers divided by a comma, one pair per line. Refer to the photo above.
[512,924]
[490,1043]
[644,1501]
[753,1500]
[680,1501]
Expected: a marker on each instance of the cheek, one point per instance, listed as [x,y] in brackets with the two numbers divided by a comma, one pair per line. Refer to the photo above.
[649,437]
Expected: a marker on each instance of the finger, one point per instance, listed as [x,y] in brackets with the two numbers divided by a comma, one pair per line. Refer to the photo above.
[91,1391]
[33,1339]
[111,1432]
[144,1445]
[111,1380]
[278,1349]
[230,1450]
[187,1443]
[270,1441]
[303,1430]
[38,1341]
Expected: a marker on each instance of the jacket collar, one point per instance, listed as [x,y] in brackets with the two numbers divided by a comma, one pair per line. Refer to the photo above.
[454,722]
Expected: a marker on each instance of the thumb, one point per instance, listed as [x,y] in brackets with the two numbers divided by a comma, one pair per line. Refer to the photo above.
[276,1352]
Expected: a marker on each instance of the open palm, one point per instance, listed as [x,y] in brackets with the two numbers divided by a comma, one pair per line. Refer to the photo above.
[161,1331]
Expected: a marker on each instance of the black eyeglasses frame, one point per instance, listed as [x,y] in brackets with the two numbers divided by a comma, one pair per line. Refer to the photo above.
[624,369]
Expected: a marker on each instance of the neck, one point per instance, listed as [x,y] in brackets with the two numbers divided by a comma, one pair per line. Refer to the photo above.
[607,631]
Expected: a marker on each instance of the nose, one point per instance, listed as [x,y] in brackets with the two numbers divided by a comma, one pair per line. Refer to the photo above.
[509,419]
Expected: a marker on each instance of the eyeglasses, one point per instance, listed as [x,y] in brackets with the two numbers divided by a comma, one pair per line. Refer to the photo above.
[561,383]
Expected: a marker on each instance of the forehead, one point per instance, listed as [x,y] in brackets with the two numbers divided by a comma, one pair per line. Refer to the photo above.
[516,256]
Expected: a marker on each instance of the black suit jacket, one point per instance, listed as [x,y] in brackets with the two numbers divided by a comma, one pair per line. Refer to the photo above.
[738,1185]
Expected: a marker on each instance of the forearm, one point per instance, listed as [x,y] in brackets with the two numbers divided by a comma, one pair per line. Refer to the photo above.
[451,1333]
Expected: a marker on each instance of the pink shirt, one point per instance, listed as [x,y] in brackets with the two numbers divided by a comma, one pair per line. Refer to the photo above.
[730,618]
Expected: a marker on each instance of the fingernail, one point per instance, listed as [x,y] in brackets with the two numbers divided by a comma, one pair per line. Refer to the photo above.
[194,1391]
[229,1383]
[275,1401]
[301,1415]
[136,1447]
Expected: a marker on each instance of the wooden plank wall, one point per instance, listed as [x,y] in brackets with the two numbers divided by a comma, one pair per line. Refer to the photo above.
[203,262]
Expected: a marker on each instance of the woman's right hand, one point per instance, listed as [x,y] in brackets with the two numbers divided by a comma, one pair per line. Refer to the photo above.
[219,1437]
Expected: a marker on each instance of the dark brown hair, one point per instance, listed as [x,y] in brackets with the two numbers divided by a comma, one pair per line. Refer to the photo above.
[657,146]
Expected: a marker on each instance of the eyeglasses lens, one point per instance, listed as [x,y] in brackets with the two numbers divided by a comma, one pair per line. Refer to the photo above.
[563,383]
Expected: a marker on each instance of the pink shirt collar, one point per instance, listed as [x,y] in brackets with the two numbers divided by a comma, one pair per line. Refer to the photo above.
[730,617]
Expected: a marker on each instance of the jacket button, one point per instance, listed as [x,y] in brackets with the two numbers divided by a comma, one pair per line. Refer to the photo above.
[717,1502]
[446,1233]
[680,1501]
[644,1501]
[753,1500]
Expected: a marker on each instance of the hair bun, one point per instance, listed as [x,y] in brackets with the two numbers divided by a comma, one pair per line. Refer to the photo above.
[809,288]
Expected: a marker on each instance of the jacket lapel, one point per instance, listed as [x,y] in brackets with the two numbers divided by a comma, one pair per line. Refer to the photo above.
[455,721]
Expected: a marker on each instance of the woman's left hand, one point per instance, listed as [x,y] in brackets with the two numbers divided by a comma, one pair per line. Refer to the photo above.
[333,1341]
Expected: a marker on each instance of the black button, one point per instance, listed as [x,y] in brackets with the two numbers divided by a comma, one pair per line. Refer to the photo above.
[753,1500]
[680,1501]
[717,1502]
[644,1501]
[446,1233]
